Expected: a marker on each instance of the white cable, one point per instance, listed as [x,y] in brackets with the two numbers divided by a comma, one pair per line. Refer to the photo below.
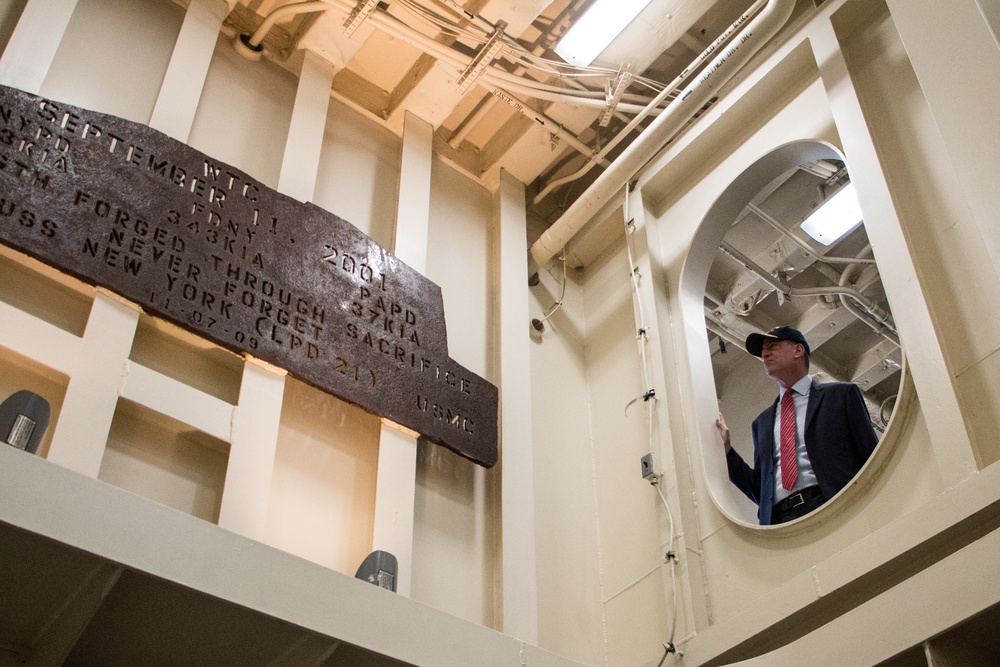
[672,557]
[395,27]
[440,23]
[562,292]
[512,50]
[650,406]
[634,276]
[673,88]
[497,81]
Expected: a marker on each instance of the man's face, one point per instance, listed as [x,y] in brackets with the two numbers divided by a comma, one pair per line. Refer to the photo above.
[781,357]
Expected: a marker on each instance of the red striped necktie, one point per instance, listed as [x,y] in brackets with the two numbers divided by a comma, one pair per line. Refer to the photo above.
[789,460]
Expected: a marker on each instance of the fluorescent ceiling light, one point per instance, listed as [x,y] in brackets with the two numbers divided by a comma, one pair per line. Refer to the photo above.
[839,215]
[597,28]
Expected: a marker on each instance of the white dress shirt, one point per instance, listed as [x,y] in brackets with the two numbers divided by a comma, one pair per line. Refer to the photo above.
[800,393]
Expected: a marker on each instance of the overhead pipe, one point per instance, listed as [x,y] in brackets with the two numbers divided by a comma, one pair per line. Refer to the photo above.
[501,83]
[498,94]
[495,77]
[753,267]
[881,322]
[653,105]
[763,215]
[872,315]
[761,29]
[249,46]
[473,18]
[471,122]
[396,28]
[816,366]
[515,81]
[487,105]
[554,129]
[484,108]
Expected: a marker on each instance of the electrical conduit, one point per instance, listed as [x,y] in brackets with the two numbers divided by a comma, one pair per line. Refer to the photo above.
[680,111]
[652,107]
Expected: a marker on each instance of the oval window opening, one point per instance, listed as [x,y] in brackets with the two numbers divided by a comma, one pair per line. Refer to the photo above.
[796,260]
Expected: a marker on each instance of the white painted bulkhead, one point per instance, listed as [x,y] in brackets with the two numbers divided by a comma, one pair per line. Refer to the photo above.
[852,76]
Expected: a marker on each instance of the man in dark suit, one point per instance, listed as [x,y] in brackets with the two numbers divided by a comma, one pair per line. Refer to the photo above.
[809,444]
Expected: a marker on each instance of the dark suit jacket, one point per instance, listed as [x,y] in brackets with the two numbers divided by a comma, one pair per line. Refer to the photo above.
[839,439]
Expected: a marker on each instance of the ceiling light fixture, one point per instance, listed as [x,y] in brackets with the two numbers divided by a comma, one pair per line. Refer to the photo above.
[835,218]
[597,28]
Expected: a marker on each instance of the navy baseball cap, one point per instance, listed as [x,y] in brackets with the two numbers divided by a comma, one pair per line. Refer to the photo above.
[755,341]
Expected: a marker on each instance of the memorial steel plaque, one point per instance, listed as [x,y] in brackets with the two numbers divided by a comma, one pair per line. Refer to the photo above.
[203,244]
